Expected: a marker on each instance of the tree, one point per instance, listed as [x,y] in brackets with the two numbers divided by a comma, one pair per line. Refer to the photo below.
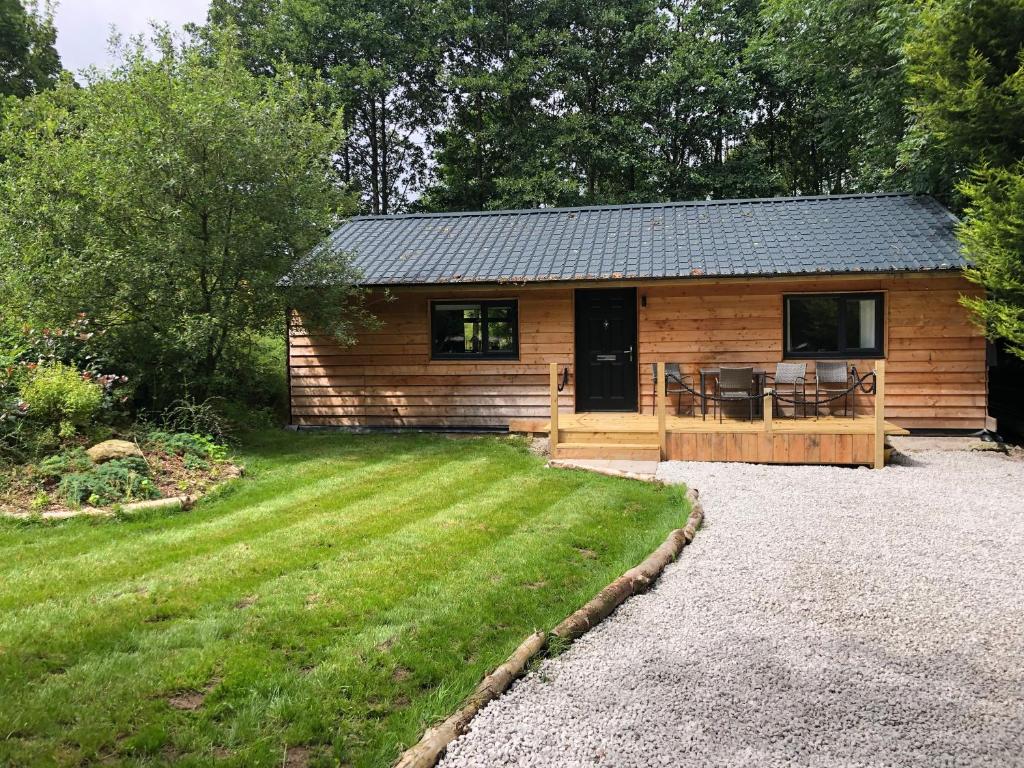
[490,147]
[831,92]
[28,59]
[993,237]
[964,61]
[700,103]
[380,61]
[167,199]
[966,143]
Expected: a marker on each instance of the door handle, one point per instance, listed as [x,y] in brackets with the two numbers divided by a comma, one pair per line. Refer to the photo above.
[630,353]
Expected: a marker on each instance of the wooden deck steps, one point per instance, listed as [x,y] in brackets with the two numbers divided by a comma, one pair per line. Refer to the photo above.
[619,451]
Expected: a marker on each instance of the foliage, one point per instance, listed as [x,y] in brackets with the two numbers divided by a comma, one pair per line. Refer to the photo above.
[993,236]
[198,418]
[118,480]
[167,199]
[565,102]
[831,92]
[28,58]
[253,382]
[196,446]
[966,143]
[60,396]
[965,61]
[51,365]
[280,596]
[52,468]
[381,61]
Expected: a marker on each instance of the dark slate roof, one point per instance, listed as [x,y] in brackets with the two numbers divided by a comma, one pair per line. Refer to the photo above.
[772,236]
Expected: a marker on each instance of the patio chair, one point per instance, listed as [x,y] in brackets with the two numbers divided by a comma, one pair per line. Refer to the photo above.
[790,380]
[830,378]
[676,383]
[734,384]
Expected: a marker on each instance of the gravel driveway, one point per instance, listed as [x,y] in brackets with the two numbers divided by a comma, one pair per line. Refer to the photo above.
[823,617]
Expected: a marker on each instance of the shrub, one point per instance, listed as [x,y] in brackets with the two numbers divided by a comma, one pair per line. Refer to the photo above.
[58,395]
[56,466]
[115,481]
[191,446]
[194,418]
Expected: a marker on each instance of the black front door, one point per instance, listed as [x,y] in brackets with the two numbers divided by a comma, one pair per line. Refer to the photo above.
[606,350]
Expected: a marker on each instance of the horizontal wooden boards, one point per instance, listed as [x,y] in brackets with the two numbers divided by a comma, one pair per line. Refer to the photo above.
[936,369]
[936,372]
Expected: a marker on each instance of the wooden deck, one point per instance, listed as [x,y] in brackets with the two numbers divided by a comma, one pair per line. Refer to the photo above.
[828,440]
[768,440]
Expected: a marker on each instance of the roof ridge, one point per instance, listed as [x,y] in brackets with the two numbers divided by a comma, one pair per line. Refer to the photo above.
[627,206]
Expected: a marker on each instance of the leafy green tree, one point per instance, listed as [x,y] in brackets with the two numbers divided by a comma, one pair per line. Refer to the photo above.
[700,104]
[167,199]
[380,63]
[966,143]
[490,146]
[556,102]
[831,92]
[964,61]
[28,59]
[993,237]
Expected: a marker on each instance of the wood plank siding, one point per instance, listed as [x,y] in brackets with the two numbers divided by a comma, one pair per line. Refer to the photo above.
[936,376]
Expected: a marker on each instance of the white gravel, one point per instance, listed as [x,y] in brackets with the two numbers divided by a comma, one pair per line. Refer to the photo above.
[822,617]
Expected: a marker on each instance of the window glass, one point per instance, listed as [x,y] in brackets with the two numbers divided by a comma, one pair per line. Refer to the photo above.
[456,328]
[833,325]
[860,324]
[474,329]
[813,324]
[499,336]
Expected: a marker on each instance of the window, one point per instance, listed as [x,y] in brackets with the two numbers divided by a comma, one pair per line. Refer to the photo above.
[472,330]
[834,325]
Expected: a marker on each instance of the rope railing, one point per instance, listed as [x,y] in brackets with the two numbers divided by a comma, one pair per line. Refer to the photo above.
[858,384]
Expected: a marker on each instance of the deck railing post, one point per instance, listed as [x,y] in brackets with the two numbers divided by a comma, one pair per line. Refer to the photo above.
[553,426]
[767,407]
[661,407]
[879,414]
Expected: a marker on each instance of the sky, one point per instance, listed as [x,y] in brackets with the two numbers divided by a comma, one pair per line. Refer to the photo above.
[83,26]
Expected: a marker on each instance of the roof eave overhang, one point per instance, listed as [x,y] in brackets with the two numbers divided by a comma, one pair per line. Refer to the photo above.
[626,279]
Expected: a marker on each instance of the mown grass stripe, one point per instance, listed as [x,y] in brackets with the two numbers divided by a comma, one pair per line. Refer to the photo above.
[274,515]
[376,606]
[254,556]
[209,522]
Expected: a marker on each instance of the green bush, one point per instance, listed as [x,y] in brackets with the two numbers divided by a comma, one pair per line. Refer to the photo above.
[191,446]
[202,418]
[57,395]
[115,481]
[63,463]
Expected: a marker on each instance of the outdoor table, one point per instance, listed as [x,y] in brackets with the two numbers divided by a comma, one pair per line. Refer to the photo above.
[706,373]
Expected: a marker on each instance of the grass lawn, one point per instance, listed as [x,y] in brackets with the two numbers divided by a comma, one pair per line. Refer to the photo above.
[324,610]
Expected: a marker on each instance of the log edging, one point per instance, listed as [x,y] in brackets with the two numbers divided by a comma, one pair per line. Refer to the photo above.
[431,747]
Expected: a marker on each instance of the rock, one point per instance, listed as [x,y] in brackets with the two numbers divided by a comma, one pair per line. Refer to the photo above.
[113,449]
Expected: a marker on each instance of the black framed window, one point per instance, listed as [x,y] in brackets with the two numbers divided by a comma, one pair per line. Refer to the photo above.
[473,330]
[824,325]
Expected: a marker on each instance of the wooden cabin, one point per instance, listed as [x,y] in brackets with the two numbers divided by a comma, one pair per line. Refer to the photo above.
[477,309]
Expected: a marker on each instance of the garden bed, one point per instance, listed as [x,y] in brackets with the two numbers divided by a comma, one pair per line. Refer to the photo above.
[160,465]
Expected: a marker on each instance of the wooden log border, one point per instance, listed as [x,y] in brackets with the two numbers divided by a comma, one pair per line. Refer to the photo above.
[431,748]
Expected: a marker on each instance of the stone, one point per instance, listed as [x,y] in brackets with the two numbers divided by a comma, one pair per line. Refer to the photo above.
[113,449]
